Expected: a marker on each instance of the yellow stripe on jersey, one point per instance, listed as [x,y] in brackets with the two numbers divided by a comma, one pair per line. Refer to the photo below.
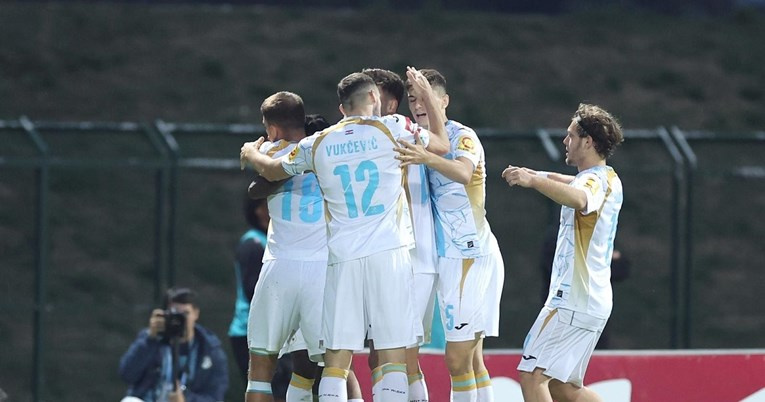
[466,264]
[282,144]
[477,197]
[380,126]
[592,185]
[584,225]
[549,317]
[356,120]
[321,138]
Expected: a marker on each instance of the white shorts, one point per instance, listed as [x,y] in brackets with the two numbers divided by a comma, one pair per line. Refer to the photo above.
[370,295]
[295,343]
[288,296]
[424,303]
[494,292]
[462,287]
[561,342]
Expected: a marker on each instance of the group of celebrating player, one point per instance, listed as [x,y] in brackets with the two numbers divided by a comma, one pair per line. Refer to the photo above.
[374,216]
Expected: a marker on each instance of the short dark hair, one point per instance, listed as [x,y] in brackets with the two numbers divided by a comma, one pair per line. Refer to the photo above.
[284,109]
[352,85]
[388,81]
[435,78]
[314,123]
[182,295]
[248,207]
[601,126]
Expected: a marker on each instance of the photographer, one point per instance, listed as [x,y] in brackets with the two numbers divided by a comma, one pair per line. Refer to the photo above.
[175,359]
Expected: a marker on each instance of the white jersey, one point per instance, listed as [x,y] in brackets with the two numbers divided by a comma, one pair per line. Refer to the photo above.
[424,254]
[462,230]
[362,183]
[581,270]
[297,230]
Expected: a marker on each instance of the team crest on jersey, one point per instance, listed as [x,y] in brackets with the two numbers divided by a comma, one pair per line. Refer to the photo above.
[592,185]
[293,154]
[466,144]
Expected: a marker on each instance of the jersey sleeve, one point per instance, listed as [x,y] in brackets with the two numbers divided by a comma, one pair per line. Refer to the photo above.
[591,184]
[265,147]
[465,145]
[403,128]
[301,158]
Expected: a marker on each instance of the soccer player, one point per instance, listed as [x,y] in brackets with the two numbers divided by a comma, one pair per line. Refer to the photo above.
[423,256]
[301,385]
[368,287]
[470,267]
[290,289]
[560,343]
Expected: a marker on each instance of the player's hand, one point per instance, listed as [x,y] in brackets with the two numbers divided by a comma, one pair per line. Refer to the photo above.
[156,322]
[412,153]
[420,84]
[515,175]
[248,150]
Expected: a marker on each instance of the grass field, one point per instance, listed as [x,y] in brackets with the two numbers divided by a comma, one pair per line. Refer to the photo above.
[117,62]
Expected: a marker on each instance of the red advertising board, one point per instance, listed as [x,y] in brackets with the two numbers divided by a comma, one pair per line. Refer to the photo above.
[622,376]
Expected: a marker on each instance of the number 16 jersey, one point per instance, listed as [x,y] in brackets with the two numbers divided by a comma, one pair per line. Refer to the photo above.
[297,229]
[362,183]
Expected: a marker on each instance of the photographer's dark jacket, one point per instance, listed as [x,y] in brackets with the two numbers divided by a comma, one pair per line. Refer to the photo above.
[206,380]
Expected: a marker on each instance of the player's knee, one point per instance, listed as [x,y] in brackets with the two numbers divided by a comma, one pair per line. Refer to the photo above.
[458,363]
[567,392]
[532,379]
[262,367]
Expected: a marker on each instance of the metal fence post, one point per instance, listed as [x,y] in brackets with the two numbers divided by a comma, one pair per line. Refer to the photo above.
[676,293]
[161,180]
[166,131]
[690,167]
[41,255]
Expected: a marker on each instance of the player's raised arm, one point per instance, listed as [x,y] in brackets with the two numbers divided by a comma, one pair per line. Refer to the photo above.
[459,169]
[561,193]
[270,169]
[421,89]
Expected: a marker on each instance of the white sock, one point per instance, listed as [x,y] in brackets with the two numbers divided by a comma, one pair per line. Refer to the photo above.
[332,387]
[463,388]
[484,388]
[355,400]
[259,387]
[300,389]
[394,384]
[418,390]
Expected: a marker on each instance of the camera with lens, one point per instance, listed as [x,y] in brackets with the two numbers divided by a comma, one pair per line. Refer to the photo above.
[175,325]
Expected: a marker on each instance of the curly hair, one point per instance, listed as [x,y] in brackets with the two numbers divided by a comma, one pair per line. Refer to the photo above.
[601,126]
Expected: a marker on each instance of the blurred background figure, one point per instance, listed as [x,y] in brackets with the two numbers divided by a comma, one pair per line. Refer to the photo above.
[249,253]
[175,359]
